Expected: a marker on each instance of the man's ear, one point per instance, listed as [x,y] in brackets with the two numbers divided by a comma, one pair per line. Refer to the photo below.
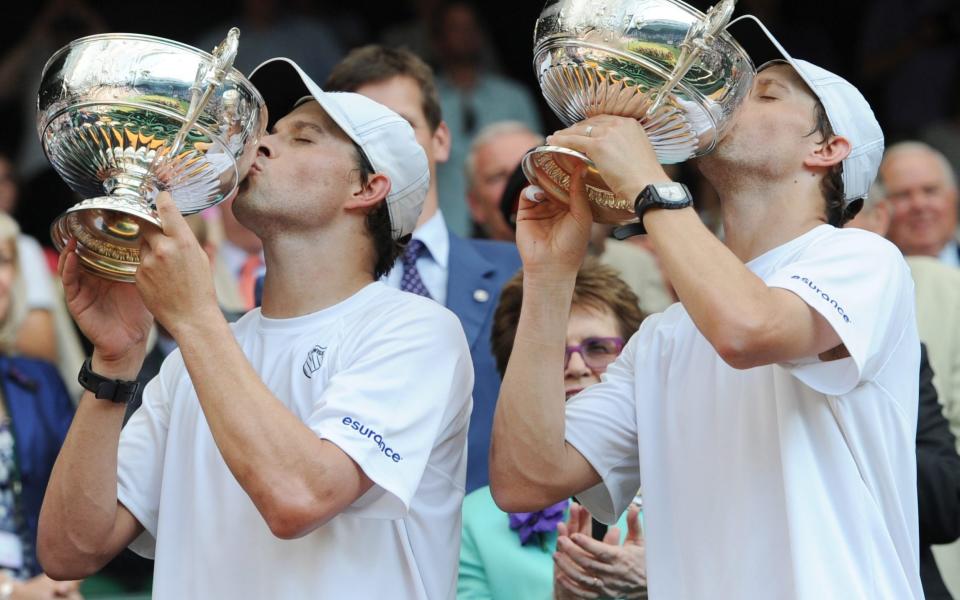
[441,143]
[829,153]
[369,195]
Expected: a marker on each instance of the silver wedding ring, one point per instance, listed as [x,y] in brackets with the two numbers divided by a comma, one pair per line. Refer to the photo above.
[589,130]
[596,580]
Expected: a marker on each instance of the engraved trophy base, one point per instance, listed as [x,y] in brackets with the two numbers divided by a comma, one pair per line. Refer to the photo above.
[549,167]
[108,231]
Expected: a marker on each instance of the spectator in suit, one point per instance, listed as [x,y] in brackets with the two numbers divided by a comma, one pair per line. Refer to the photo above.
[462,274]
[938,483]
[922,189]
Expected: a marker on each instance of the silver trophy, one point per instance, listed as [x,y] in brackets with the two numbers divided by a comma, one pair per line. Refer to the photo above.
[662,62]
[123,117]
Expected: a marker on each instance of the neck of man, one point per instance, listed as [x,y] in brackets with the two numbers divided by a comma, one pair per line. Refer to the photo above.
[760,214]
[308,271]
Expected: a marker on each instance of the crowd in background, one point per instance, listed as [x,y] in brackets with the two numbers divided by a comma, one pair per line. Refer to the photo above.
[904,56]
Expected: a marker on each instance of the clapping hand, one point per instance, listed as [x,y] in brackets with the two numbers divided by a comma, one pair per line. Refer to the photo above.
[587,568]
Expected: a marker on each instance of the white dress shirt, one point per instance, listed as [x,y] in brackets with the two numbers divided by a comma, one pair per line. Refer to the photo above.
[432,265]
[949,255]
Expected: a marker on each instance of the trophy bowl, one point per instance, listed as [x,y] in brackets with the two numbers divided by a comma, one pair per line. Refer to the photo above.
[662,62]
[111,115]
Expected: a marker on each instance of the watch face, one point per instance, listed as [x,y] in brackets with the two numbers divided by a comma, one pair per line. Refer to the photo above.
[672,192]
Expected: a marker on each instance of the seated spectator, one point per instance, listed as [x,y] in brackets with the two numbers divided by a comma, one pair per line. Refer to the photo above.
[505,556]
[35,413]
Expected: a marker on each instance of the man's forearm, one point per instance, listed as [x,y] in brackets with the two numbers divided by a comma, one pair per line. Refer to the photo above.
[79,513]
[528,444]
[279,462]
[732,307]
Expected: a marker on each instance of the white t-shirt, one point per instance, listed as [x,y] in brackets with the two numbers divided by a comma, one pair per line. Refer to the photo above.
[386,376]
[782,481]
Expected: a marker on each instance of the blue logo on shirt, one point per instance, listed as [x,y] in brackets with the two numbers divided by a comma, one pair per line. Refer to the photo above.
[825,296]
[370,434]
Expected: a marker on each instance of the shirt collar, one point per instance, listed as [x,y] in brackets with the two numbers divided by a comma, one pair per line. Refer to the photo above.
[435,237]
[950,254]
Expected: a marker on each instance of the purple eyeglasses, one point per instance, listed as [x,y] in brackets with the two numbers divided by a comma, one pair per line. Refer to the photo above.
[596,352]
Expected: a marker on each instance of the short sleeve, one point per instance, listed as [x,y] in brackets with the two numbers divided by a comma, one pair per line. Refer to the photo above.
[601,423]
[140,459]
[402,386]
[861,285]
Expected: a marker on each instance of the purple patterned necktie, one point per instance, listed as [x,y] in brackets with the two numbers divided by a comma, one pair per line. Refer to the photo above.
[410,281]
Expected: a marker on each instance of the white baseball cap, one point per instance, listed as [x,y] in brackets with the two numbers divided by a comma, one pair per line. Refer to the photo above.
[849,114]
[385,138]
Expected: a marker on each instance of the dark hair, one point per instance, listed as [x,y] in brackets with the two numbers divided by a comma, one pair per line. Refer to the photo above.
[375,63]
[598,286]
[831,186]
[379,227]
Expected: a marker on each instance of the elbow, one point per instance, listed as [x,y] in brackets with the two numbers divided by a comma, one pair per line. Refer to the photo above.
[515,495]
[63,562]
[290,518]
[744,347]
[508,499]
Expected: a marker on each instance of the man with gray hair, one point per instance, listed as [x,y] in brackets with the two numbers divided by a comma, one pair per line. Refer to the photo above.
[921,186]
[493,157]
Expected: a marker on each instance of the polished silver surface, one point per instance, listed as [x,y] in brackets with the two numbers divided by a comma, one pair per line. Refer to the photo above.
[110,109]
[662,62]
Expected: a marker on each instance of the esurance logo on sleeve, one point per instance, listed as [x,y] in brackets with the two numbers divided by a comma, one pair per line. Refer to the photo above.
[831,301]
[373,436]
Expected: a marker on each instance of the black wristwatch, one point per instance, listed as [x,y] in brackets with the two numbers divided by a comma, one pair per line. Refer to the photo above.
[114,390]
[656,195]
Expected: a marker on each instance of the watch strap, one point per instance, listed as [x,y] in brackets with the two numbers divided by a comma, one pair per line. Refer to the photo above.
[114,390]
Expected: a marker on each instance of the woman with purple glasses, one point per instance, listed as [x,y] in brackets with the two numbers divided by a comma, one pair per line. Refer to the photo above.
[533,556]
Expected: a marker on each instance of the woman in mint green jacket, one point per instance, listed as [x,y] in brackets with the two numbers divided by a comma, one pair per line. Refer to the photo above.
[516,556]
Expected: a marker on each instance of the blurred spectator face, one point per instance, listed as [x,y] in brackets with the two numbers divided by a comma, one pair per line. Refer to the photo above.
[459,38]
[402,95]
[8,186]
[493,164]
[593,342]
[923,201]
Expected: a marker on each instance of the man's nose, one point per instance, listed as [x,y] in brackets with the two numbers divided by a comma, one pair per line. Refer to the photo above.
[576,367]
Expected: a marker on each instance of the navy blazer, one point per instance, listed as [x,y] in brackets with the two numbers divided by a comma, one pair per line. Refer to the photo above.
[40,412]
[476,271]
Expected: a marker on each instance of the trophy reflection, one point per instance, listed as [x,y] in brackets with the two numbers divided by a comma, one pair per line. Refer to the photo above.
[123,117]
